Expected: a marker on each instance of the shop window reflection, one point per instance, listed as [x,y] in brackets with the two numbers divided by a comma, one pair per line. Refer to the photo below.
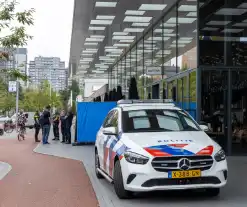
[186,42]
[223,31]
[192,79]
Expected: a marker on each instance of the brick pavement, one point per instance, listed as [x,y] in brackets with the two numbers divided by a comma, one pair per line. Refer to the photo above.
[42,181]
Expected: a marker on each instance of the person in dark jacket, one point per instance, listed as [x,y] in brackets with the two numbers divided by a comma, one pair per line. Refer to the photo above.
[63,125]
[46,124]
[69,119]
[55,121]
[36,126]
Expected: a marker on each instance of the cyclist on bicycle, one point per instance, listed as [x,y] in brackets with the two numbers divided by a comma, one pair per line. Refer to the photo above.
[21,120]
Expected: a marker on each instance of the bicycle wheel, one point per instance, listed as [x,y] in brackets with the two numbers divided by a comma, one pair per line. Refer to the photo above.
[8,129]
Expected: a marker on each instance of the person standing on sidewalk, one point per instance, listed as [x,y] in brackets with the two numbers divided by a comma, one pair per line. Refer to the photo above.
[21,120]
[46,125]
[69,119]
[63,125]
[36,125]
[55,121]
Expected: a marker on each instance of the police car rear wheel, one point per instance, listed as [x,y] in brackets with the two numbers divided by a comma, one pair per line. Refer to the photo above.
[97,166]
[212,192]
[118,183]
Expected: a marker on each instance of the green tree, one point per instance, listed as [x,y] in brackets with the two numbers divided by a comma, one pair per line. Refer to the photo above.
[17,35]
[147,80]
[75,89]
[7,100]
[38,99]
[64,97]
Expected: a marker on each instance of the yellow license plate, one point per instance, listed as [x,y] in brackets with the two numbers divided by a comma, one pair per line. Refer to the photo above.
[185,174]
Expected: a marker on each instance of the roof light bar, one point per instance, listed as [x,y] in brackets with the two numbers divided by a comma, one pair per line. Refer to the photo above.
[130,101]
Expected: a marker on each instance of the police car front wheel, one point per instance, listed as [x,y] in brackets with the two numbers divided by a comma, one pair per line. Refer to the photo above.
[97,165]
[118,183]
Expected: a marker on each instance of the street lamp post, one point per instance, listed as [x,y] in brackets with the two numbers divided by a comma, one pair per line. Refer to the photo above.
[50,81]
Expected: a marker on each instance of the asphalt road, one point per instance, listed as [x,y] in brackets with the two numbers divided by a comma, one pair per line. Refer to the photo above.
[234,194]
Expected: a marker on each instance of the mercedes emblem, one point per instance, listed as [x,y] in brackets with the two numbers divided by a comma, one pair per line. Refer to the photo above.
[184,164]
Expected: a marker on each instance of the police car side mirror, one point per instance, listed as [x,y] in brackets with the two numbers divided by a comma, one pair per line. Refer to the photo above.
[204,128]
[110,131]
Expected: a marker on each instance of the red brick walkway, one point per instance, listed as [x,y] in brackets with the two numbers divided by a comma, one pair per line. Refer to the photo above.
[42,181]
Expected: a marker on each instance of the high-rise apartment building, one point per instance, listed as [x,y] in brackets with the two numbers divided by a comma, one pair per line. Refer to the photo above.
[48,68]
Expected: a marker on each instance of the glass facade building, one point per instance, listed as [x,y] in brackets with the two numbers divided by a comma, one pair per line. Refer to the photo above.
[196,54]
[164,59]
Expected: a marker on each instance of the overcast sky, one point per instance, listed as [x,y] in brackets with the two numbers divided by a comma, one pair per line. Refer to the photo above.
[52,28]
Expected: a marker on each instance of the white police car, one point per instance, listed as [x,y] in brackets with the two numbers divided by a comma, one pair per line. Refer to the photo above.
[147,146]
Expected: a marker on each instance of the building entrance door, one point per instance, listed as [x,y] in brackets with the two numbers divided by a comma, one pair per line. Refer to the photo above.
[216,106]
[155,91]
[238,109]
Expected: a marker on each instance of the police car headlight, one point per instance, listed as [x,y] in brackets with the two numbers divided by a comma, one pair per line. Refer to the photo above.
[220,156]
[135,158]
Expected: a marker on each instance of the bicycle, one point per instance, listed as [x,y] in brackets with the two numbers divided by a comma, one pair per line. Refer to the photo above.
[9,126]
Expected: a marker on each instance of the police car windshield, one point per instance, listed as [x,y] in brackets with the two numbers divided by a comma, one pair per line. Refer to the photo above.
[157,120]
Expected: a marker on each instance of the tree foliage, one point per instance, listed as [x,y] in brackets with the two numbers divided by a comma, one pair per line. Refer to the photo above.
[146,80]
[65,94]
[64,97]
[16,36]
[7,100]
[37,99]
[75,89]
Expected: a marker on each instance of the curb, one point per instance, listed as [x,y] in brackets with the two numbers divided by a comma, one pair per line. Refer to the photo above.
[6,169]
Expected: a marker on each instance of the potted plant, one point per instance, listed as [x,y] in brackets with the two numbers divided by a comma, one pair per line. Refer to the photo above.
[106,98]
[114,94]
[110,96]
[133,93]
[119,93]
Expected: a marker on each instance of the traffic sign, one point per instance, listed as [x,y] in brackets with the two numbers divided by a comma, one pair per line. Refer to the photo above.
[12,86]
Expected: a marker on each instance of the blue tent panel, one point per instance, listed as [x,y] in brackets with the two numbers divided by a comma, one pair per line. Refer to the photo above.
[90,116]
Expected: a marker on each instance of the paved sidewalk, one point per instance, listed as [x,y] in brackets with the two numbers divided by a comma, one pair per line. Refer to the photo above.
[4,169]
[42,181]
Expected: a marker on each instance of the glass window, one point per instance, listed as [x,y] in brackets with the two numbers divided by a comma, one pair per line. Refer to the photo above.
[168,53]
[169,122]
[140,68]
[108,119]
[185,93]
[114,119]
[180,92]
[189,122]
[192,79]
[157,120]
[137,113]
[223,28]
[141,123]
[186,42]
